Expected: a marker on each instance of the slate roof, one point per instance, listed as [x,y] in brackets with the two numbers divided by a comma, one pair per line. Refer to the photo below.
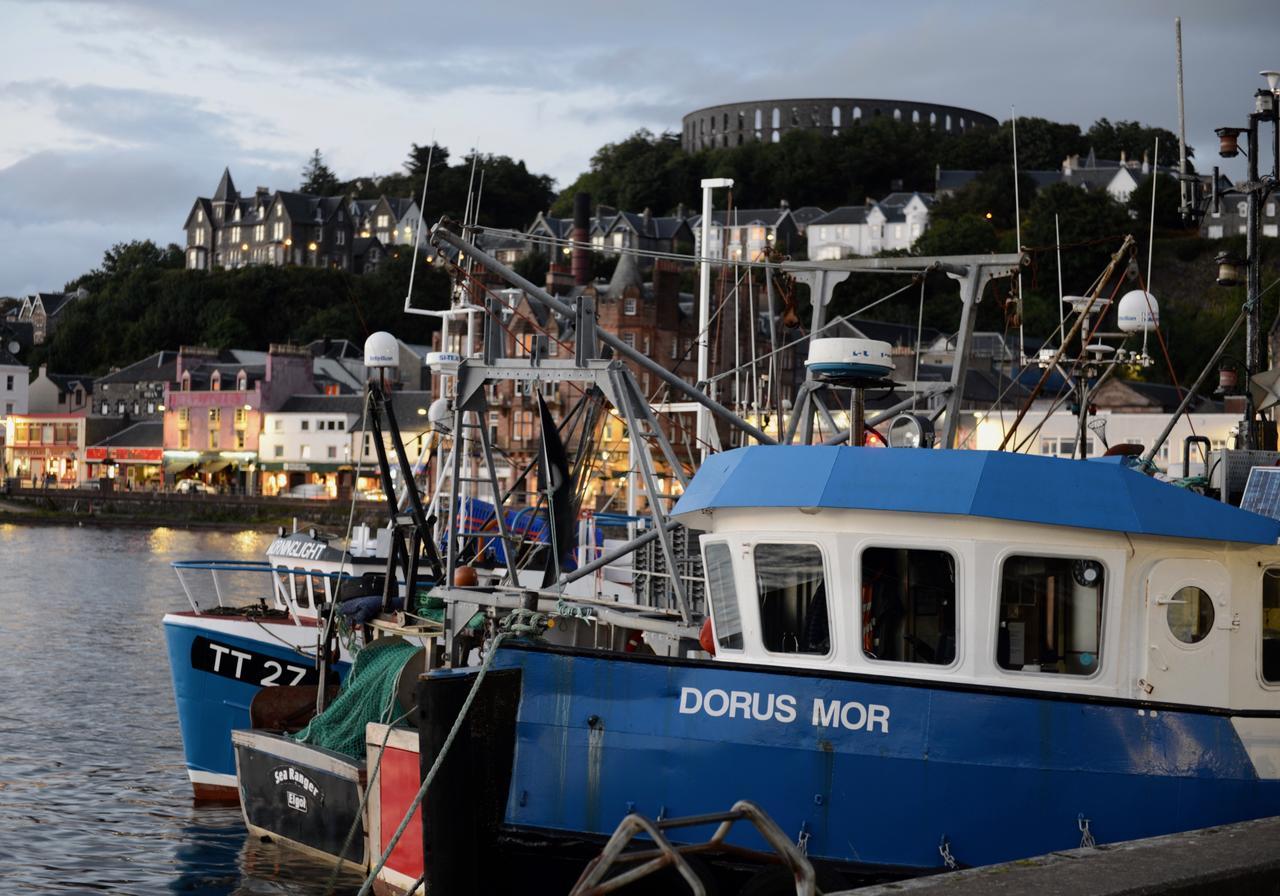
[846,214]
[226,187]
[399,205]
[159,367]
[6,359]
[362,244]
[405,404]
[68,381]
[806,214]
[146,434]
[626,274]
[892,333]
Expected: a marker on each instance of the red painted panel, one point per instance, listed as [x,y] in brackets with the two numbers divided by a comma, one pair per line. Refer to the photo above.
[398,784]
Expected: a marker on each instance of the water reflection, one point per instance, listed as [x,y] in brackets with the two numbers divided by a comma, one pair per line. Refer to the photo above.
[93,794]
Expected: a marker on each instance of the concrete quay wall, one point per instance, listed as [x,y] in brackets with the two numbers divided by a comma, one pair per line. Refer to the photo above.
[1233,860]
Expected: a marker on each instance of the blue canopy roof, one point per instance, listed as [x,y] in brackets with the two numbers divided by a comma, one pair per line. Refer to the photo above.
[994,484]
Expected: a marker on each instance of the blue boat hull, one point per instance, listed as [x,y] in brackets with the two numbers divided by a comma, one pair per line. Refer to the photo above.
[216,674]
[883,779]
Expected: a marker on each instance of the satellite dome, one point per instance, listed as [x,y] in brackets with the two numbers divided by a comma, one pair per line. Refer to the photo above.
[1138,311]
[381,350]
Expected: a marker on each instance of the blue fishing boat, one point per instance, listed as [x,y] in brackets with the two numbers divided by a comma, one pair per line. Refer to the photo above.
[253,626]
[919,660]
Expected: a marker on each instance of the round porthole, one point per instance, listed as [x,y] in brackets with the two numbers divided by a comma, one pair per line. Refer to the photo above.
[1190,615]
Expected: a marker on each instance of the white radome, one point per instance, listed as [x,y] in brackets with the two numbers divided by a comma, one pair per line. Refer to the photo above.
[381,350]
[1138,311]
[842,357]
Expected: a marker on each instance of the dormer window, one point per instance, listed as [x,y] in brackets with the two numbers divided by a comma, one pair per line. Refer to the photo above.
[215,381]
[186,381]
[199,216]
[242,382]
[237,214]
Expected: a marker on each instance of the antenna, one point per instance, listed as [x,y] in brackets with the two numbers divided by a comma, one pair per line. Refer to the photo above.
[422,208]
[1017,223]
[1062,316]
[1151,237]
[1184,205]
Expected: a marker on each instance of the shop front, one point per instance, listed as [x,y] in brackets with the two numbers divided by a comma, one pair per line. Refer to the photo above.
[45,449]
[304,479]
[128,468]
[226,472]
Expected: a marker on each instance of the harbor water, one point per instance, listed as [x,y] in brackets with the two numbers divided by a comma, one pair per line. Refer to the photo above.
[94,797]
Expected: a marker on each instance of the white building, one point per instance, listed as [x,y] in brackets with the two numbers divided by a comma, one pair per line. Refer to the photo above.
[13,385]
[1057,437]
[317,440]
[893,223]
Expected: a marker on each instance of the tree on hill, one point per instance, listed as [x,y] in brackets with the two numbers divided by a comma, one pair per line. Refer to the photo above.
[1131,139]
[318,179]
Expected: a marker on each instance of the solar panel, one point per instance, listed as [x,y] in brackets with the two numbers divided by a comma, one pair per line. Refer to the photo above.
[1262,492]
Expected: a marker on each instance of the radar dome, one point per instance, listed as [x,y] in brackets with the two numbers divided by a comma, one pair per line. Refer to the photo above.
[1138,311]
[842,358]
[381,350]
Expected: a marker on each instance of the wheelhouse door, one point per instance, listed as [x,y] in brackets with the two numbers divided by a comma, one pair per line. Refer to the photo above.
[1188,632]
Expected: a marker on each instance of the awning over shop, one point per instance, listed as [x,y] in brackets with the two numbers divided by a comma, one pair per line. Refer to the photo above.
[177,466]
[290,466]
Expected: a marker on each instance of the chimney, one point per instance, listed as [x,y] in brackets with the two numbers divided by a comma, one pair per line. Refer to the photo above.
[263,193]
[647,217]
[682,212]
[782,203]
[581,267]
[1123,160]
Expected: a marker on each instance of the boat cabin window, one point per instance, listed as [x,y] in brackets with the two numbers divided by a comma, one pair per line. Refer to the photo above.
[1050,615]
[1190,614]
[791,588]
[300,597]
[1271,626]
[723,596]
[318,596]
[909,605]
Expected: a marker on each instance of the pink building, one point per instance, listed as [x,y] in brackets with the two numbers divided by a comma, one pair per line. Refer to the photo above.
[213,409]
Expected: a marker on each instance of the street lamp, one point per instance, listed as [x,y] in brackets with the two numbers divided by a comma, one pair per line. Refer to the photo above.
[1232,270]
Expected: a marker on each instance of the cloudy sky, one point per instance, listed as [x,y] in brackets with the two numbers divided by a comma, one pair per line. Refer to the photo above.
[117,114]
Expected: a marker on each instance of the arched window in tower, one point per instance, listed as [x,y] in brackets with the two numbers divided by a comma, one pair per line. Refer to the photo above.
[897,115]
[795,117]
[948,122]
[835,116]
[915,116]
[759,119]
[933,119]
[962,123]
[775,138]
[776,118]
[857,114]
[742,122]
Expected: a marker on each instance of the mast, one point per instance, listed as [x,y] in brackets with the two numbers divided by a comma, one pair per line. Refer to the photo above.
[704,306]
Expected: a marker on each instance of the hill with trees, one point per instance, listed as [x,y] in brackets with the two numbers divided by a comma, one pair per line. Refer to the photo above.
[142,300]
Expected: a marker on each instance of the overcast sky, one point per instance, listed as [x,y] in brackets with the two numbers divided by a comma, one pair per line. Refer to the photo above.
[117,114]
